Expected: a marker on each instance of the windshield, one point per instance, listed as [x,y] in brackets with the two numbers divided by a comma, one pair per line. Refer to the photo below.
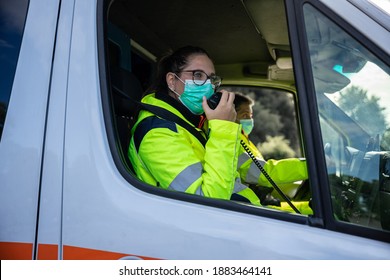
[355,80]
[353,99]
[366,100]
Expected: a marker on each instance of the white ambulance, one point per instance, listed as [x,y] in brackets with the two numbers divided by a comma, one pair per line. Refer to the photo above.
[319,71]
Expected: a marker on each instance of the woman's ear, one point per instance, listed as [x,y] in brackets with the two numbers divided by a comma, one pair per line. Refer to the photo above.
[170,78]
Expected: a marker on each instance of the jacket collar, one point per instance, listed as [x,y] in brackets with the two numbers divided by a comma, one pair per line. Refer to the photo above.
[196,120]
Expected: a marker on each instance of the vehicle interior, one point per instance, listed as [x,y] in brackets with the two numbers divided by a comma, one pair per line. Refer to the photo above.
[248,41]
[226,29]
[249,49]
[244,48]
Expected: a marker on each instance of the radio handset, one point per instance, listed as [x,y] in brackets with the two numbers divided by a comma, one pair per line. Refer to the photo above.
[213,101]
[258,164]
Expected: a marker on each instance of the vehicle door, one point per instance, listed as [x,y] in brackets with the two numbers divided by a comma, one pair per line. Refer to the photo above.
[341,62]
[28,31]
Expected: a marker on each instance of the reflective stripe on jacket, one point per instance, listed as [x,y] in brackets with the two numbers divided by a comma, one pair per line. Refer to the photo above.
[166,155]
[281,171]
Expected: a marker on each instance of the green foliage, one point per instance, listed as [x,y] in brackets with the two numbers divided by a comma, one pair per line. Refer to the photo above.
[276,148]
[274,117]
[281,119]
[385,141]
[364,109]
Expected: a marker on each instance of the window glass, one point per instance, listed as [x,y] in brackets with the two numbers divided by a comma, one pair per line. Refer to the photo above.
[12,18]
[275,130]
[352,88]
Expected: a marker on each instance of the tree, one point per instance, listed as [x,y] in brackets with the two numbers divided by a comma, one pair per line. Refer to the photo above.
[364,109]
[276,148]
[274,115]
[274,118]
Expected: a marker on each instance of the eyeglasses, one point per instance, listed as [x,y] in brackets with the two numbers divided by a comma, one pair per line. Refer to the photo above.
[200,78]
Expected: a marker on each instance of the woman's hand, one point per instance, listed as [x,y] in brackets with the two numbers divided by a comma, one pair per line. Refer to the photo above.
[225,109]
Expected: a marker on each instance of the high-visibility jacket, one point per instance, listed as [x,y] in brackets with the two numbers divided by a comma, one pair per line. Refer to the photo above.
[281,171]
[166,155]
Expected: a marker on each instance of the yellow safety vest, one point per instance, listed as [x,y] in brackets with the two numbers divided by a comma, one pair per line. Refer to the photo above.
[281,171]
[168,156]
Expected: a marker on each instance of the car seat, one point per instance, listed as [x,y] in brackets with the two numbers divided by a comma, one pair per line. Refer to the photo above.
[126,89]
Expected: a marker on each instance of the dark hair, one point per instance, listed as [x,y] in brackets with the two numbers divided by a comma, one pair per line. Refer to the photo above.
[173,62]
[240,99]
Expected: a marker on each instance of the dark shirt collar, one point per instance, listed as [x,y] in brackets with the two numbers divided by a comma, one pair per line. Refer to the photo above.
[196,120]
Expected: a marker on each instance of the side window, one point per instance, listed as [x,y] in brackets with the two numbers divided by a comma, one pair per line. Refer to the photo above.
[275,135]
[12,19]
[275,130]
[352,88]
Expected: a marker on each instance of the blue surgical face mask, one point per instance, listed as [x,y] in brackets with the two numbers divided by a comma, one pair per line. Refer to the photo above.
[247,125]
[192,96]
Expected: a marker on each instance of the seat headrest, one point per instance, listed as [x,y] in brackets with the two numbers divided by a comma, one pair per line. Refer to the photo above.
[129,84]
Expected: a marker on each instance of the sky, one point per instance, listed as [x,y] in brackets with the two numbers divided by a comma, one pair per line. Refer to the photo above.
[383,4]
[375,81]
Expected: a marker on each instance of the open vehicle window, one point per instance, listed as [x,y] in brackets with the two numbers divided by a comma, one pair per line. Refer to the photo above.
[352,89]
[135,29]
[275,131]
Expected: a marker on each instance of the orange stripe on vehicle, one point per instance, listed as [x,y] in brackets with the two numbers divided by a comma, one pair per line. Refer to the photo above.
[78,253]
[16,251]
[47,252]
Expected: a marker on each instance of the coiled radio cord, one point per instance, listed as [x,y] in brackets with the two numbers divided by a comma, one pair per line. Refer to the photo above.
[258,164]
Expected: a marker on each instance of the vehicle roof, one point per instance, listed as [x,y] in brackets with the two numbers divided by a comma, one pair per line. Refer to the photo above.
[224,28]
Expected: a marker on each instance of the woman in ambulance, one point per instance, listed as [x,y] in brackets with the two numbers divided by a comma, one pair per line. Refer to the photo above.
[169,156]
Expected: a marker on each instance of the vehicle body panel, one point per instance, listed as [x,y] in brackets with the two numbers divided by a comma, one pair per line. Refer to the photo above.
[23,136]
